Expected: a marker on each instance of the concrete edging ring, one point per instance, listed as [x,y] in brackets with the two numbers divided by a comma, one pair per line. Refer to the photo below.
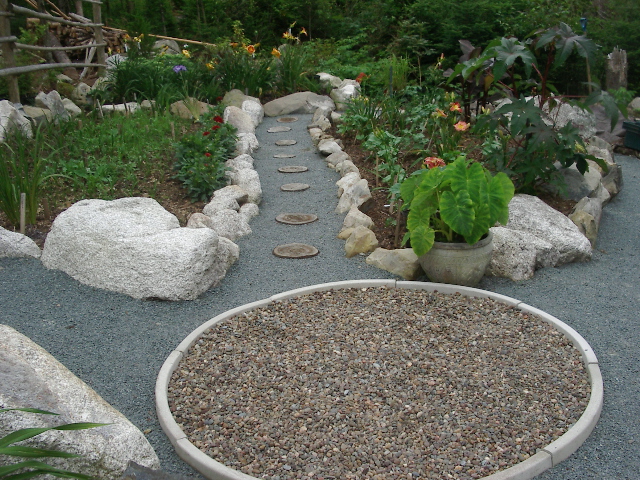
[546,458]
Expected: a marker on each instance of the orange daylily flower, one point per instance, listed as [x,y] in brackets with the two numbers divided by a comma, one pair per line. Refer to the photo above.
[276,53]
[461,126]
[251,49]
[455,107]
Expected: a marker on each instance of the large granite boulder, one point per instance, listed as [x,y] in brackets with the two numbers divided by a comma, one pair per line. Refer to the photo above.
[536,236]
[133,246]
[31,378]
[13,244]
[12,119]
[301,102]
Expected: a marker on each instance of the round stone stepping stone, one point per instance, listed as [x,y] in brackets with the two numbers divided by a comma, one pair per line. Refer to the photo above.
[292,169]
[296,218]
[295,250]
[294,187]
[279,129]
[285,143]
[287,119]
[283,155]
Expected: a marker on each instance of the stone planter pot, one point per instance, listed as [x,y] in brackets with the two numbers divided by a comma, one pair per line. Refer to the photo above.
[458,263]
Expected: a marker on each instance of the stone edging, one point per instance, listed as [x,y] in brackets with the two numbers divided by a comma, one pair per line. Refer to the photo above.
[546,458]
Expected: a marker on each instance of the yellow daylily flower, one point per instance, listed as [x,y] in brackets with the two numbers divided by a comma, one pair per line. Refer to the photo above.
[303,32]
[186,53]
[275,52]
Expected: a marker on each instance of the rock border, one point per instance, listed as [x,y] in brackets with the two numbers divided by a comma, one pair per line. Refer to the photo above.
[546,458]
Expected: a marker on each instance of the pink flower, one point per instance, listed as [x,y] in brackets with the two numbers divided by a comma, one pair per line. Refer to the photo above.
[461,126]
[439,113]
[433,162]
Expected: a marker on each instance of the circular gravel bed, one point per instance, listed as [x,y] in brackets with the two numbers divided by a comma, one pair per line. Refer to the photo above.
[379,383]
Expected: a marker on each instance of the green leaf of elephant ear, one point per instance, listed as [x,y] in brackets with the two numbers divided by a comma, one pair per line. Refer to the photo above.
[419,225]
[500,192]
[457,211]
[481,224]
[408,188]
[422,239]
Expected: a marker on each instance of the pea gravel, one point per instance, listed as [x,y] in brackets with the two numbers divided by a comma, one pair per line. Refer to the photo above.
[378,383]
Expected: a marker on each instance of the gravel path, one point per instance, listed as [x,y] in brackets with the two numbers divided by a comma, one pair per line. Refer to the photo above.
[117,344]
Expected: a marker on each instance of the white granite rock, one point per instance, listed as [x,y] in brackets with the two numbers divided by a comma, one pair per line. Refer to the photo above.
[579,185]
[234,191]
[13,245]
[72,109]
[220,203]
[254,110]
[53,102]
[132,246]
[530,215]
[230,224]
[328,146]
[240,119]
[327,80]
[347,182]
[335,159]
[247,144]
[240,162]
[11,119]
[361,240]
[199,220]
[249,211]
[301,102]
[354,219]
[31,378]
[402,262]
[190,108]
[356,195]
[249,181]
[346,167]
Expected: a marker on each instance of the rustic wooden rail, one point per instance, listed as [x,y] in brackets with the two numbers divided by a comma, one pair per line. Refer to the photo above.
[10,44]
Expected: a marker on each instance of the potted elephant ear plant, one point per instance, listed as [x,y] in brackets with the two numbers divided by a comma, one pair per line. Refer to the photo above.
[451,210]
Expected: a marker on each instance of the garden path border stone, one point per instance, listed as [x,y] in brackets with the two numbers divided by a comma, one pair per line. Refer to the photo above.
[547,456]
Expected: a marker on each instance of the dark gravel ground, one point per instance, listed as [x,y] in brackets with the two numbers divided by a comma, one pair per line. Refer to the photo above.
[117,344]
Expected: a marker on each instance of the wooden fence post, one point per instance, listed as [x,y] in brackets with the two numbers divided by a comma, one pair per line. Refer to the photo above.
[99,38]
[7,52]
[79,10]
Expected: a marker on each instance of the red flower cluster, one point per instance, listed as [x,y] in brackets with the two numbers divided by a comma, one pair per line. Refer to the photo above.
[218,119]
[206,133]
[433,162]
[361,76]
[207,154]
[215,127]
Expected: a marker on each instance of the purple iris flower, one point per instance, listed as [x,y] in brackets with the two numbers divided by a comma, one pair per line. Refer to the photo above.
[179,68]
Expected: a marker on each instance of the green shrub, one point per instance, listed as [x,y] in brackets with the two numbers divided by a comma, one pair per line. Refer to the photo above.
[201,157]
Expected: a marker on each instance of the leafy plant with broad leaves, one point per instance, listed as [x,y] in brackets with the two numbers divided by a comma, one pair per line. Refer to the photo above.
[32,468]
[521,144]
[458,202]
